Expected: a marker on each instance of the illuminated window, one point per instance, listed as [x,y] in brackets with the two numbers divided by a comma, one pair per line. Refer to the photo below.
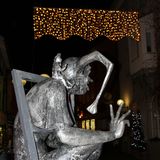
[83,124]
[93,124]
[88,124]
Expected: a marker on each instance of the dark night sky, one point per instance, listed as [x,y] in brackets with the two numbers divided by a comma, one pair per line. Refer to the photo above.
[37,56]
[16,27]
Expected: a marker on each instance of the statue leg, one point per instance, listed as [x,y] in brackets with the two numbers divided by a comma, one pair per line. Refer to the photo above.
[63,152]
[20,152]
[19,148]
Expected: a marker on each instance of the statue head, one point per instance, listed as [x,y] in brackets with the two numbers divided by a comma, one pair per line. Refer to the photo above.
[77,75]
[75,72]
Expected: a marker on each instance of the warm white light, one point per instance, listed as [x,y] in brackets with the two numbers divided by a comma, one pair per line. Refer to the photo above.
[24,81]
[120,102]
[89,24]
[83,124]
[81,114]
[87,124]
[93,127]
[45,75]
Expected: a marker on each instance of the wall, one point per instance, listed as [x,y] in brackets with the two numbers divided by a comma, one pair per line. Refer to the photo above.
[125,82]
[142,54]
[143,67]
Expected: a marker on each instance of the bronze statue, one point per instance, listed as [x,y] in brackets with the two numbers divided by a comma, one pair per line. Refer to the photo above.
[51,106]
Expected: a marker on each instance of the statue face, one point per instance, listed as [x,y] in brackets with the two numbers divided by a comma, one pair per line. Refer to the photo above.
[81,81]
[77,75]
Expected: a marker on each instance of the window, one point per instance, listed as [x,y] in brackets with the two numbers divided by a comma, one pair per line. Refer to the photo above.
[148,34]
[148,42]
[133,49]
[88,124]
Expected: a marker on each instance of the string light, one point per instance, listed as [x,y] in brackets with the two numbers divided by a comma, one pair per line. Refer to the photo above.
[138,135]
[89,24]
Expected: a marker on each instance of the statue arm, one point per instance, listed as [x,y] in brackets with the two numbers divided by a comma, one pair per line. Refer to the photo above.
[97,56]
[67,134]
[76,136]
[79,137]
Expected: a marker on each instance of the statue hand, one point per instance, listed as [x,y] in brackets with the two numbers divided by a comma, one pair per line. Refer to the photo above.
[117,124]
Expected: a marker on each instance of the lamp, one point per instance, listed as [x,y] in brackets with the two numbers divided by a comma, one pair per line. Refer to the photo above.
[24,82]
[120,102]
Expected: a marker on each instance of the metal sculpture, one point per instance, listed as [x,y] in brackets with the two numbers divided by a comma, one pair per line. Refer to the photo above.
[51,109]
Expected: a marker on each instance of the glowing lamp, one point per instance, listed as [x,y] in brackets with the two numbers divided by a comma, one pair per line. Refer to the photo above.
[120,102]
[24,82]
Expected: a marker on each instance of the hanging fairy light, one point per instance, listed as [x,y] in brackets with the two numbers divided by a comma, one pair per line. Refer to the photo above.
[137,132]
[89,24]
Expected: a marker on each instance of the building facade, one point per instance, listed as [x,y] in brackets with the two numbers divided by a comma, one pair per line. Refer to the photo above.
[7,100]
[139,74]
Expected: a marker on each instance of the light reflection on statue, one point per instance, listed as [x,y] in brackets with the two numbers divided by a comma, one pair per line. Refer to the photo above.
[51,105]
